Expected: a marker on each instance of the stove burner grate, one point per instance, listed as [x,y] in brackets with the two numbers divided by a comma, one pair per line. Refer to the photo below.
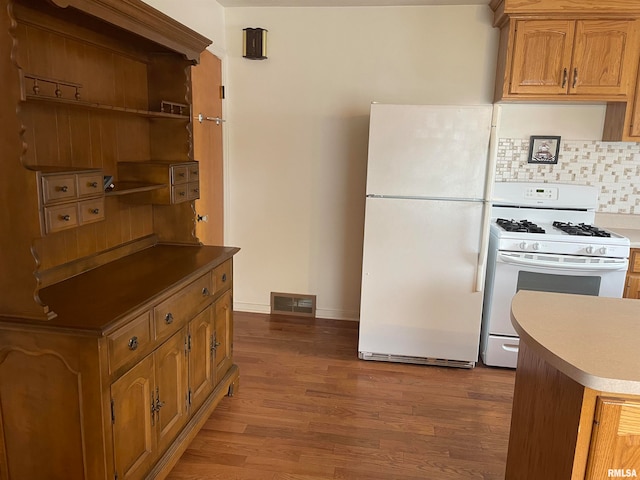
[519,226]
[581,229]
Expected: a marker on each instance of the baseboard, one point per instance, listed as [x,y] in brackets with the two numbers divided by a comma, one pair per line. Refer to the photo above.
[330,314]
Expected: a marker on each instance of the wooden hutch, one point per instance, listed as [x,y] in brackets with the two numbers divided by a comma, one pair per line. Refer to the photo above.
[116,323]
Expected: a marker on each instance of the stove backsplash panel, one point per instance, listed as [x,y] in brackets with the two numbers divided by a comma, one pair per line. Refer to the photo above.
[613,167]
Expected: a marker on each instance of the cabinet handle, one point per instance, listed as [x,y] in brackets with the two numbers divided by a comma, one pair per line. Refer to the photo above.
[205,292]
[133,343]
[224,277]
[63,188]
[95,211]
[214,344]
[66,218]
[575,77]
[93,184]
[564,78]
[159,404]
[153,410]
[168,318]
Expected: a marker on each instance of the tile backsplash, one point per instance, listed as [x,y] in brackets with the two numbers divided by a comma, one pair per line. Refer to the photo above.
[613,167]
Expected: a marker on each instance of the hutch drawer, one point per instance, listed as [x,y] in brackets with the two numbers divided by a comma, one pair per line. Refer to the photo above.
[130,343]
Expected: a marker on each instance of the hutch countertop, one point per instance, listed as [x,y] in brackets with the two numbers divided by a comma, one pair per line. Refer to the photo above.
[94,301]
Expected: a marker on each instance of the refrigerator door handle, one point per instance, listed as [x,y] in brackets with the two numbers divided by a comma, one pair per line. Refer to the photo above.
[492,155]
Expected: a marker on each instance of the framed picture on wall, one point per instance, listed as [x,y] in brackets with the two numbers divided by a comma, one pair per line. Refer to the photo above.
[544,149]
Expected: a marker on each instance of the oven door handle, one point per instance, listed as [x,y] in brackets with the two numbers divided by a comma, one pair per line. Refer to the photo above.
[612,266]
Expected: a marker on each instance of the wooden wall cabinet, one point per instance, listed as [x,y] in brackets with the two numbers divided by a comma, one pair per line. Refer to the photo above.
[567,59]
[632,285]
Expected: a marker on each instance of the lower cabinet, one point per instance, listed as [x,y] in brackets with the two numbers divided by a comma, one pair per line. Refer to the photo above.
[615,440]
[123,402]
[149,408]
[632,285]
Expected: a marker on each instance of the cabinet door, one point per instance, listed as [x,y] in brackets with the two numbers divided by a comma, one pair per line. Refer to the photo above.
[201,379]
[541,57]
[632,286]
[604,57]
[134,439]
[615,443]
[171,389]
[224,334]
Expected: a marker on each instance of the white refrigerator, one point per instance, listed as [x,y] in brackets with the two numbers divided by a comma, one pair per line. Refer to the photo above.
[429,176]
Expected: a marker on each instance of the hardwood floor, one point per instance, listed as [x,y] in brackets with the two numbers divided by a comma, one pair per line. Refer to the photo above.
[307,408]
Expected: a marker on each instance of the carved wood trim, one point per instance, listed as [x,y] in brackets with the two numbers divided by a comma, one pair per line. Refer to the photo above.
[144,20]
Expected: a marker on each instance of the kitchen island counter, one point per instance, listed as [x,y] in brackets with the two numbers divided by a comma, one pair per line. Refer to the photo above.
[576,404]
[593,340]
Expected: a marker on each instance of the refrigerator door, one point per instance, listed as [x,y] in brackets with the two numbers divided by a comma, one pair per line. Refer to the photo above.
[418,281]
[436,151]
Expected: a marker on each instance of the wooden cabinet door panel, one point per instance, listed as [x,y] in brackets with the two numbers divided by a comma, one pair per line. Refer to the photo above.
[615,443]
[603,57]
[541,58]
[224,334]
[201,380]
[134,439]
[171,389]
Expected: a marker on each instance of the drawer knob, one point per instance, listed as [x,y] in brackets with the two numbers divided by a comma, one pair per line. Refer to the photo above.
[181,174]
[194,172]
[93,184]
[66,218]
[168,318]
[95,211]
[182,194]
[224,277]
[133,343]
[196,190]
[63,188]
[205,292]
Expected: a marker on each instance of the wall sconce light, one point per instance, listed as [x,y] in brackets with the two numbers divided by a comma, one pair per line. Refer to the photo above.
[254,43]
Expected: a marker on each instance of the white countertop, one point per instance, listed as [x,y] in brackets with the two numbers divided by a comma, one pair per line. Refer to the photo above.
[623,224]
[593,340]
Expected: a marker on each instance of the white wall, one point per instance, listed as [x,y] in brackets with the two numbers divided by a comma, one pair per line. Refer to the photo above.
[298,126]
[204,16]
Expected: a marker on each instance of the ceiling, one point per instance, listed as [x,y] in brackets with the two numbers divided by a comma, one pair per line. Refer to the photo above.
[344,3]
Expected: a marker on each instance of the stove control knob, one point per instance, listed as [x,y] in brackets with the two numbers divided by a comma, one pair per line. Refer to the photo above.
[589,249]
[523,245]
[603,250]
[536,246]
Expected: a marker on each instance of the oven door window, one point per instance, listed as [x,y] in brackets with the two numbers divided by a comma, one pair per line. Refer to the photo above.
[545,282]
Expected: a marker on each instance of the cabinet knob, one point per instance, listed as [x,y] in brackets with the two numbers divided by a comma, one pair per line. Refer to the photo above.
[93,184]
[63,188]
[194,173]
[224,277]
[168,318]
[182,194]
[181,174]
[66,218]
[95,211]
[205,292]
[133,343]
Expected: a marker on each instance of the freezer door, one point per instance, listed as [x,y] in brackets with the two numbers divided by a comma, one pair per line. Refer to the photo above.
[428,151]
[418,279]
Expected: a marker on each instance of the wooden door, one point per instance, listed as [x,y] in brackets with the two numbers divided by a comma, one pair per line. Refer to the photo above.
[134,439]
[541,58]
[201,379]
[224,334]
[605,57]
[171,388]
[206,80]
[615,443]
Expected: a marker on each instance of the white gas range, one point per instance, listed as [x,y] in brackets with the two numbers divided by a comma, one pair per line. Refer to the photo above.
[542,238]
